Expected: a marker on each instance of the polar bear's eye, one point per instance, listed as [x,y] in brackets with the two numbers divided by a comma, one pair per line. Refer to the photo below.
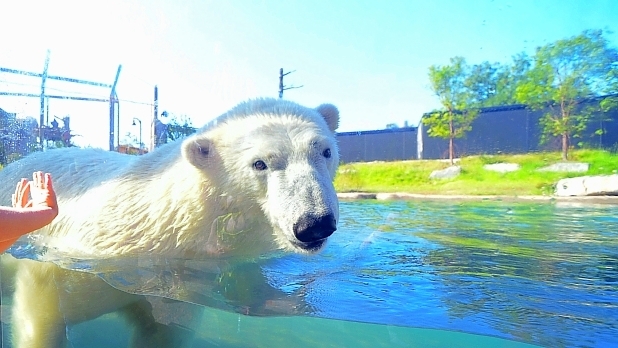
[326,153]
[260,165]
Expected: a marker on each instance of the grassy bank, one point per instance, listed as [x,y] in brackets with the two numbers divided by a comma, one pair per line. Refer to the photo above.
[413,176]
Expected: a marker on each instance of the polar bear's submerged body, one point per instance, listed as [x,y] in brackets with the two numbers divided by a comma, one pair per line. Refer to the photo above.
[257,178]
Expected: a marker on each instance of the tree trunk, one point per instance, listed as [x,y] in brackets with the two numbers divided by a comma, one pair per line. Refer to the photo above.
[451,145]
[565,146]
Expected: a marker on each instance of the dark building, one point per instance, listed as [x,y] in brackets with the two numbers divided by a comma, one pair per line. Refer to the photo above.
[516,129]
[378,145]
[507,129]
[503,129]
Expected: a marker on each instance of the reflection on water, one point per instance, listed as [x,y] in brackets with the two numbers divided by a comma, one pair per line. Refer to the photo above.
[393,273]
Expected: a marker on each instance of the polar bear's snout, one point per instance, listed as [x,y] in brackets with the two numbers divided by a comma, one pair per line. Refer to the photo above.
[311,231]
[309,228]
[256,179]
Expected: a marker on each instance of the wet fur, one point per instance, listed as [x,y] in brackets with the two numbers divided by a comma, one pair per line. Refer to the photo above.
[201,197]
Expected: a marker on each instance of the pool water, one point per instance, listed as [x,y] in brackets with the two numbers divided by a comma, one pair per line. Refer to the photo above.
[395,274]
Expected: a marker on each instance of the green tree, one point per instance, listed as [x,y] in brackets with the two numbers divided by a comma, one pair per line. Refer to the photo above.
[494,84]
[455,118]
[563,73]
[482,83]
[508,78]
[179,127]
[610,101]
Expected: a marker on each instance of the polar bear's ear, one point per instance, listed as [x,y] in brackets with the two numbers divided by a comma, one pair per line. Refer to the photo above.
[330,114]
[198,151]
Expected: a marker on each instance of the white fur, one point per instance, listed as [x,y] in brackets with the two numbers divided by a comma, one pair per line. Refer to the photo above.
[191,198]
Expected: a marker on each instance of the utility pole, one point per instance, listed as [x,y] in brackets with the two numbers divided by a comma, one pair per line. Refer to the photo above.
[155,120]
[282,87]
[114,114]
[42,113]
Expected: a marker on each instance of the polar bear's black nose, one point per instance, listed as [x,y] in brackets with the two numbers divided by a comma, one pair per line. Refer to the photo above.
[310,228]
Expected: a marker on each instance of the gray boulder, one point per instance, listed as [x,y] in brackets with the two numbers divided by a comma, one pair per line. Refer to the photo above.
[598,185]
[448,173]
[571,167]
[502,167]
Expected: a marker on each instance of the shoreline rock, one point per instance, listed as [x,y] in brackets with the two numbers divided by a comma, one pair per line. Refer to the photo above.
[597,185]
[502,167]
[569,167]
[448,173]
[582,200]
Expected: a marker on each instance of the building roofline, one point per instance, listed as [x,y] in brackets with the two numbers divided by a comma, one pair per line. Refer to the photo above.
[379,131]
[523,106]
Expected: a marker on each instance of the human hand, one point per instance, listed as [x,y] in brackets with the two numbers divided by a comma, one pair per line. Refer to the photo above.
[20,198]
[42,191]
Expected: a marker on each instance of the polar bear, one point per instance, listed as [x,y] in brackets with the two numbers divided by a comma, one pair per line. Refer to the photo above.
[255,179]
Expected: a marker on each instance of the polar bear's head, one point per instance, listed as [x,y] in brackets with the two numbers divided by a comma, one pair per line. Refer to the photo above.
[280,157]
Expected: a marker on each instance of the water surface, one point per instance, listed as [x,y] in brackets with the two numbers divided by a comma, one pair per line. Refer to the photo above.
[395,274]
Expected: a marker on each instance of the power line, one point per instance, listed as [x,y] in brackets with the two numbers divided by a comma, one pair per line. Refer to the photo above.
[19,94]
[114,107]
[140,79]
[95,97]
[64,94]
[18,83]
[66,97]
[53,77]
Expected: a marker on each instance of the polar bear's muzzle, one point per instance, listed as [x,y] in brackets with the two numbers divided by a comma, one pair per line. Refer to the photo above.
[311,231]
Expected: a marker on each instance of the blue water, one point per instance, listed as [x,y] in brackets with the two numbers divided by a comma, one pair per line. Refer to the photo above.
[395,274]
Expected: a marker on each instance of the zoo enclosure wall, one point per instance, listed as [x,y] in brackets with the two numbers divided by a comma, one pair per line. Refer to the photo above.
[507,129]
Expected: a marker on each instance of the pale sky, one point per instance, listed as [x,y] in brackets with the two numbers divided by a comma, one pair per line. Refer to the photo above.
[369,58]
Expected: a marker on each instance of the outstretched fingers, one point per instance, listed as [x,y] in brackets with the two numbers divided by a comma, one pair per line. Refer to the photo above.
[42,190]
[22,192]
[48,182]
[51,194]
